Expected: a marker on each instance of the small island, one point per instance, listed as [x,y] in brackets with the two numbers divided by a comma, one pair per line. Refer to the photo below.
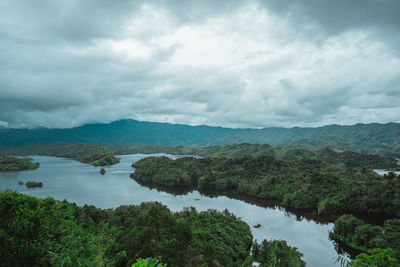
[17,164]
[31,184]
[102,171]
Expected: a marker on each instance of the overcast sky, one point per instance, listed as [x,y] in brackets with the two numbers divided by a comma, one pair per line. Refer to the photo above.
[227,63]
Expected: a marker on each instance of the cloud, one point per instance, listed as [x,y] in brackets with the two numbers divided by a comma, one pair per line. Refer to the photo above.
[338,16]
[242,64]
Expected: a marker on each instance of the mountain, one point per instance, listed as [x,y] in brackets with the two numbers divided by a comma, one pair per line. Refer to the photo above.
[364,138]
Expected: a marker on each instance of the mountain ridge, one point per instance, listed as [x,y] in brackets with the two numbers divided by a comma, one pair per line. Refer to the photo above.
[375,138]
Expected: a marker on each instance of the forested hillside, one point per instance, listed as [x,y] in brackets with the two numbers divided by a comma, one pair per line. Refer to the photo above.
[364,138]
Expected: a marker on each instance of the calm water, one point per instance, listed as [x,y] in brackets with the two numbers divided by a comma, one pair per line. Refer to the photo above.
[83,184]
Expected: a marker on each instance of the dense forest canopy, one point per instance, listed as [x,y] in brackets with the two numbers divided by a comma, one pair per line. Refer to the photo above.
[305,184]
[98,155]
[349,158]
[380,245]
[46,232]
[301,184]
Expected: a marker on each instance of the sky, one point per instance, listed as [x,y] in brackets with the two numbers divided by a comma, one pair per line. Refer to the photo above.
[214,62]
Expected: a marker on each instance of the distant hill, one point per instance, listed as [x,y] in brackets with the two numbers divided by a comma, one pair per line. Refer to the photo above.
[95,155]
[364,138]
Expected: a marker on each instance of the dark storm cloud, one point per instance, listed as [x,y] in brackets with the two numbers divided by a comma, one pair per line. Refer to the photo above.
[232,63]
[41,20]
[340,15]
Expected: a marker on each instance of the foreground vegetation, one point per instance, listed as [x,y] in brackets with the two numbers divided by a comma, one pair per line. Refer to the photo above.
[46,232]
[350,159]
[306,184]
[17,164]
[95,155]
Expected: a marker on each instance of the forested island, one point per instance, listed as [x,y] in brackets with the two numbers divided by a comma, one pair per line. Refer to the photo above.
[17,164]
[64,234]
[309,185]
[328,155]
[95,155]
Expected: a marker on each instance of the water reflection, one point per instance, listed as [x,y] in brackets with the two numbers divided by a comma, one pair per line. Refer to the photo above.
[248,199]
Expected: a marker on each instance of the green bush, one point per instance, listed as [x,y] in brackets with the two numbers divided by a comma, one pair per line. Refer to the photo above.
[149,262]
[377,257]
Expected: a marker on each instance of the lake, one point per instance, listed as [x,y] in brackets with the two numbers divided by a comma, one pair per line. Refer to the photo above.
[83,184]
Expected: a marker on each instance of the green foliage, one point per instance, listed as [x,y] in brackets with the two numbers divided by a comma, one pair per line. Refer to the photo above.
[376,258]
[41,232]
[149,262]
[102,171]
[95,155]
[20,183]
[152,230]
[17,164]
[348,158]
[303,184]
[219,239]
[31,184]
[364,237]
[45,232]
[277,253]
